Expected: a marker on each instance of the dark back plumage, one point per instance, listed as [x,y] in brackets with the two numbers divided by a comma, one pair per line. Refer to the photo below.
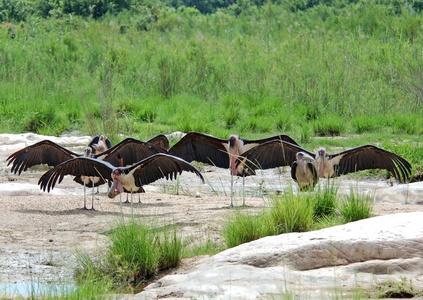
[44,152]
[128,152]
[160,140]
[281,137]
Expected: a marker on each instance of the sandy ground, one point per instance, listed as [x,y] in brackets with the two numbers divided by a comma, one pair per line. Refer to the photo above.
[40,232]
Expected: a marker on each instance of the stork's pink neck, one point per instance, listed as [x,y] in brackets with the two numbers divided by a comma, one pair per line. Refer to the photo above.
[322,168]
[232,162]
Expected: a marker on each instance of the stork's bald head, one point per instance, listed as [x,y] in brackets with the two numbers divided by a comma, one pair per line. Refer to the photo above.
[87,152]
[322,151]
[233,139]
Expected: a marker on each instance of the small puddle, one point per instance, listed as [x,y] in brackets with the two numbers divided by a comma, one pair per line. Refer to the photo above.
[35,289]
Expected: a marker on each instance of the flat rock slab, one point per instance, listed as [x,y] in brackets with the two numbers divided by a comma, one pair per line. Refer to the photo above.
[319,264]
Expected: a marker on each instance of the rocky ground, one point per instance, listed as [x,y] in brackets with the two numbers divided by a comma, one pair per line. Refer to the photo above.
[40,231]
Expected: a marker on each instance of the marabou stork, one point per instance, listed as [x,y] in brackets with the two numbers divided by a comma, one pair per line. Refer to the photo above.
[219,152]
[127,152]
[130,178]
[51,154]
[278,153]
[131,151]
[303,171]
[99,144]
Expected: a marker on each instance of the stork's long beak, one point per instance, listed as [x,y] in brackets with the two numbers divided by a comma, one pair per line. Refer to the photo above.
[116,189]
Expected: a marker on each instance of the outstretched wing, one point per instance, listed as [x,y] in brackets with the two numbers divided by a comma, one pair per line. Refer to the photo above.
[370,157]
[160,166]
[128,152]
[80,166]
[203,148]
[44,152]
[271,154]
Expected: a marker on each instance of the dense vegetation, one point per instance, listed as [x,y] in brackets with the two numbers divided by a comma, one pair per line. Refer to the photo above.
[323,70]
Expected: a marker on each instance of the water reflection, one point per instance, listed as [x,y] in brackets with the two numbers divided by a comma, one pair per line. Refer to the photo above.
[36,289]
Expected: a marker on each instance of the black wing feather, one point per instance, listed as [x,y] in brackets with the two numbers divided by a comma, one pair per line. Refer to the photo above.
[128,152]
[160,166]
[294,170]
[80,166]
[44,152]
[371,157]
[271,154]
[203,148]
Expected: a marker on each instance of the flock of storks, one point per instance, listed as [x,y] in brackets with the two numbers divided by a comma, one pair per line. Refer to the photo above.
[129,165]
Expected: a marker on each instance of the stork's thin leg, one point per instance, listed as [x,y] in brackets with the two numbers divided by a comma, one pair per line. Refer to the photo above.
[127,198]
[120,204]
[243,190]
[85,196]
[98,189]
[232,190]
[92,199]
[139,198]
[132,207]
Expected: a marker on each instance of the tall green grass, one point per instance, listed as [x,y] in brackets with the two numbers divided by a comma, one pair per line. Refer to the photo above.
[262,71]
[356,206]
[135,254]
[291,212]
[245,227]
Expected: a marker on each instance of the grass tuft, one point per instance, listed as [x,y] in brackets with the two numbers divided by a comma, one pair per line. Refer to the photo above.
[291,213]
[246,227]
[356,207]
[301,212]
[135,254]
[324,201]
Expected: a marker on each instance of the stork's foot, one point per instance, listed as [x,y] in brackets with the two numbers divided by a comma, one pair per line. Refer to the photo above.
[229,206]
